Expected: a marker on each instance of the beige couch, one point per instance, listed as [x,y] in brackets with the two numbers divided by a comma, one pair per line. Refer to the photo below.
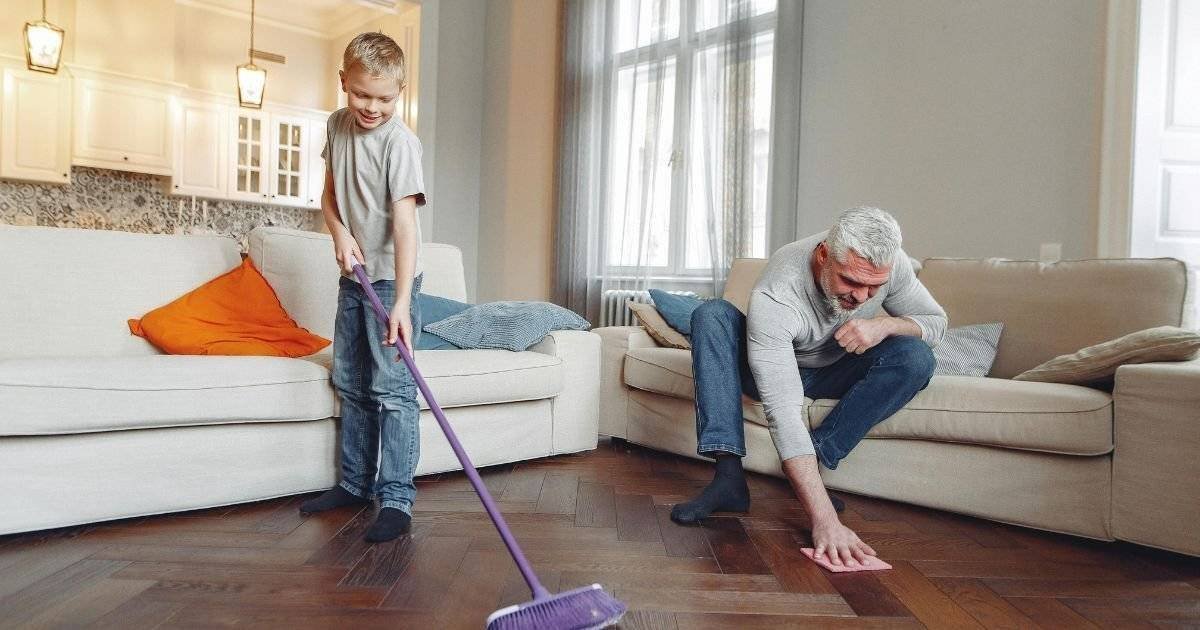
[95,424]
[1035,454]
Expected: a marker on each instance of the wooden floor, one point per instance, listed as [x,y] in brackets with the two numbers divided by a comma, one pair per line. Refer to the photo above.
[593,517]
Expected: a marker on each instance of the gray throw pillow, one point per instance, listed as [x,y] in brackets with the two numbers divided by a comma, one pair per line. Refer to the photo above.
[507,325]
[968,350]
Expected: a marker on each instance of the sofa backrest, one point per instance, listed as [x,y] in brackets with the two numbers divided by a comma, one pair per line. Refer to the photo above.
[1050,309]
[1047,309]
[301,268]
[67,292]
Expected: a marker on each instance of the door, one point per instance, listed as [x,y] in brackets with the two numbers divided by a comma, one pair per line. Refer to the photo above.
[248,177]
[316,163]
[123,126]
[289,142]
[202,152]
[35,137]
[1165,217]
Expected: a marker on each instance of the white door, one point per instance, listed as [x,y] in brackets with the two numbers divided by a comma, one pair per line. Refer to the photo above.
[201,150]
[123,126]
[316,163]
[289,143]
[1166,158]
[35,137]
[249,172]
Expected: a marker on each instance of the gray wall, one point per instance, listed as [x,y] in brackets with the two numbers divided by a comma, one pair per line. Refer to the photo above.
[451,106]
[976,122]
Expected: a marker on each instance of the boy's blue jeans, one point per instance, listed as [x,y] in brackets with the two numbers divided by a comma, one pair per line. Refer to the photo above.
[872,386]
[379,398]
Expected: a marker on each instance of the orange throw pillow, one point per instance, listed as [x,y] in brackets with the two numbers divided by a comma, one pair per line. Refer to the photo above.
[236,313]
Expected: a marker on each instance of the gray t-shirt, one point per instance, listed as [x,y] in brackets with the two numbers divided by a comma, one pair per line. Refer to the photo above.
[790,326]
[372,169]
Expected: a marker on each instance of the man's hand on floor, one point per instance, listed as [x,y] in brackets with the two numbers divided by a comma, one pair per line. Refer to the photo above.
[839,543]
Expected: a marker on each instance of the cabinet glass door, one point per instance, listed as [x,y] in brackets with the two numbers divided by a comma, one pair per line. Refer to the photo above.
[289,161]
[250,177]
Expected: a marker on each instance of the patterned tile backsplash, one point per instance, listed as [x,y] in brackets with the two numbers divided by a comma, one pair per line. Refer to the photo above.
[101,199]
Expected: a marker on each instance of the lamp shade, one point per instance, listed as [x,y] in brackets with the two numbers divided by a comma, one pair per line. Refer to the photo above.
[252,82]
[43,46]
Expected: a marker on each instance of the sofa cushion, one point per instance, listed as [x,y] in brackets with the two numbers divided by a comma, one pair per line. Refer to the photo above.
[81,395]
[301,268]
[69,292]
[1045,417]
[1054,309]
[462,378]
[668,371]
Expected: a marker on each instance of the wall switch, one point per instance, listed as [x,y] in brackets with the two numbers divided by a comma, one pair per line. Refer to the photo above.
[1051,252]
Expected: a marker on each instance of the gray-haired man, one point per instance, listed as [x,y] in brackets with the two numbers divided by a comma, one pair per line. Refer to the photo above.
[840,314]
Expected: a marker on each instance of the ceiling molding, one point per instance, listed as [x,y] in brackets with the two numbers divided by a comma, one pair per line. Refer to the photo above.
[325,25]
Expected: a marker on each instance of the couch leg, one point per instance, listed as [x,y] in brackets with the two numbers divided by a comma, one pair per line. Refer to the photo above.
[618,442]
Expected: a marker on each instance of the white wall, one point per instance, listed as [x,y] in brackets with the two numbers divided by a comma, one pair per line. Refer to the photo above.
[210,45]
[451,123]
[15,13]
[516,220]
[976,122]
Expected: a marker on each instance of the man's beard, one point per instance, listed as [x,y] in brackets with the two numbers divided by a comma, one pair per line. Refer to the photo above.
[831,300]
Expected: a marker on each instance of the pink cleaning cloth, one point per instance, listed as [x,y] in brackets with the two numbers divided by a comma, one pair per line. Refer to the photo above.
[872,563]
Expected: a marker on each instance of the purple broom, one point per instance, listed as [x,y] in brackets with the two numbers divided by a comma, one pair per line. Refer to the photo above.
[587,607]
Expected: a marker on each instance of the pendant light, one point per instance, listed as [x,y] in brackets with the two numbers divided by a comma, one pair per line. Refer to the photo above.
[43,44]
[252,80]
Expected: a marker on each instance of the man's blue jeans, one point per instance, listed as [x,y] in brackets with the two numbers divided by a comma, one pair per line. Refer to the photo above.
[379,399]
[872,386]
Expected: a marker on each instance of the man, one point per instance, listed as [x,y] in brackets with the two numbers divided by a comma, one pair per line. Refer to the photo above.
[841,315]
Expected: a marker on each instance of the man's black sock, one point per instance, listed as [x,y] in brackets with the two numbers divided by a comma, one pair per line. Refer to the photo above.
[726,493]
[335,497]
[389,525]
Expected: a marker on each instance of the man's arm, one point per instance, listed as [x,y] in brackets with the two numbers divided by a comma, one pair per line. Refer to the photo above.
[771,329]
[911,303]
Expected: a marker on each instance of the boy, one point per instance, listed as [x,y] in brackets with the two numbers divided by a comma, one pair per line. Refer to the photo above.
[373,185]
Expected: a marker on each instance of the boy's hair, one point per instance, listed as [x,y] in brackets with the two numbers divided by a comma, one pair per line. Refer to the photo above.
[378,54]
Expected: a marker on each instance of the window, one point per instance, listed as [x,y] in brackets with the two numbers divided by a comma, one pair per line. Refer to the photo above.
[669,109]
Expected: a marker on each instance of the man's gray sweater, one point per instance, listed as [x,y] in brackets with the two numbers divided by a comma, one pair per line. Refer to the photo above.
[790,326]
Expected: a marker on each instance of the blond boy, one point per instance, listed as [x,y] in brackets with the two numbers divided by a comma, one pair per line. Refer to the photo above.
[373,186]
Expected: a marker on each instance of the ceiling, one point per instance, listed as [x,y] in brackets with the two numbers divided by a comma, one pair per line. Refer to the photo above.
[318,18]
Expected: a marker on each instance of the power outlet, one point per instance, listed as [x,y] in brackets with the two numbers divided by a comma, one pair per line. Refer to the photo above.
[1050,252]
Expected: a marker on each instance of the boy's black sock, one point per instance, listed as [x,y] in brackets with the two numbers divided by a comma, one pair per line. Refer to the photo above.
[335,497]
[727,493]
[389,525]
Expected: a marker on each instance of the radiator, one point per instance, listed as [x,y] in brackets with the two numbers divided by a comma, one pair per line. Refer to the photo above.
[614,312]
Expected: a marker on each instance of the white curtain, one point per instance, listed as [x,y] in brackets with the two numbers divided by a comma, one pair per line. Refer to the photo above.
[669,114]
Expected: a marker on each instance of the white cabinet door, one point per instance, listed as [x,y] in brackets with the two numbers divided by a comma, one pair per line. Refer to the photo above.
[316,163]
[288,158]
[35,137]
[201,150]
[123,125]
[248,157]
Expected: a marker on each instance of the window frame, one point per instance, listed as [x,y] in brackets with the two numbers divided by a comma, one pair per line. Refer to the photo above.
[683,48]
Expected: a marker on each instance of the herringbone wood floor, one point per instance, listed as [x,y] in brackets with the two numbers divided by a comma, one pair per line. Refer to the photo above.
[592,517]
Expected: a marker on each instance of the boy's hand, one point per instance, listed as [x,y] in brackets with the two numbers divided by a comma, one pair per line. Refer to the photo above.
[400,325]
[346,250]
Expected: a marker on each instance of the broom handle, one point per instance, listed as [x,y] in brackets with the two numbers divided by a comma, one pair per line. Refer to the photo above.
[489,504]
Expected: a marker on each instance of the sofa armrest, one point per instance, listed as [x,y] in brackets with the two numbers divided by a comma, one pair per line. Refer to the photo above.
[1156,473]
[614,393]
[576,408]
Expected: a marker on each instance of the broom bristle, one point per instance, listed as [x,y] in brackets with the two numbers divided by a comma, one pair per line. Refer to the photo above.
[582,608]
